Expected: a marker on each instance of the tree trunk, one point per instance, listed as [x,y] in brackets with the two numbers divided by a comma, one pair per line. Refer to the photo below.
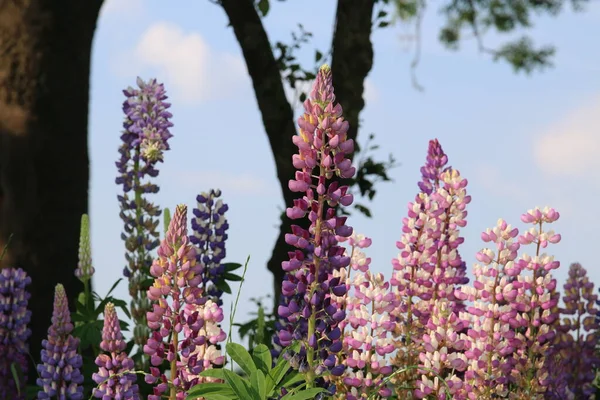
[45,48]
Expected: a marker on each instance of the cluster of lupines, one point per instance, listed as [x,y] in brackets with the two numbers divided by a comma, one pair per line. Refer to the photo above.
[145,138]
[575,359]
[209,234]
[428,268]
[309,315]
[178,305]
[14,333]
[60,374]
[116,376]
[368,340]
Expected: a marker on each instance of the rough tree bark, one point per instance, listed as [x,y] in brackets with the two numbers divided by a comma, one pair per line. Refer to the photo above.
[351,62]
[45,51]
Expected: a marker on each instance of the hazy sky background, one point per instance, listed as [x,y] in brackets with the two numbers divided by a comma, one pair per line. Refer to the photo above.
[520,141]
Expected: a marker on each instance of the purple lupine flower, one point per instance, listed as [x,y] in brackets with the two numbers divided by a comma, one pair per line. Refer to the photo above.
[14,333]
[145,138]
[60,374]
[575,358]
[85,270]
[116,376]
[431,171]
[176,296]
[307,310]
[209,235]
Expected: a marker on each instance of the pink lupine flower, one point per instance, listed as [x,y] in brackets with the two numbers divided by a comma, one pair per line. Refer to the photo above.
[178,306]
[536,305]
[429,267]
[367,329]
[490,338]
[116,376]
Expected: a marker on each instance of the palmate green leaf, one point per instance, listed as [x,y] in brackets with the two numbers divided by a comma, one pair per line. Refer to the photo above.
[241,356]
[222,285]
[304,394]
[209,391]
[213,373]
[262,358]
[231,277]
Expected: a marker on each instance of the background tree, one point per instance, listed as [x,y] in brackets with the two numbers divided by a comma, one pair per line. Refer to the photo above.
[351,58]
[45,49]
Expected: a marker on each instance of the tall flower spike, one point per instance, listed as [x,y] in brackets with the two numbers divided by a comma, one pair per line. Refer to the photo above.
[578,336]
[429,267]
[176,295]
[14,333]
[85,270]
[116,376]
[209,235]
[145,139]
[60,375]
[307,310]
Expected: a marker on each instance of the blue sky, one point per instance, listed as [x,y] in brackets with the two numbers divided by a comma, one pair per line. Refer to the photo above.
[520,141]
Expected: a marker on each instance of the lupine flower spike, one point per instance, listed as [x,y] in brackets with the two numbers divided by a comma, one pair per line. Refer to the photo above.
[60,375]
[85,270]
[209,235]
[308,312]
[179,305]
[145,139]
[14,333]
[116,376]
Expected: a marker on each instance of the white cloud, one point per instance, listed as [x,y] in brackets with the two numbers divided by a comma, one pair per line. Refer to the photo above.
[571,147]
[121,7]
[191,69]
[242,183]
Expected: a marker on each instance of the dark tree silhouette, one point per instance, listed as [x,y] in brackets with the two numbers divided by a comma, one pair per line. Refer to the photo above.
[45,49]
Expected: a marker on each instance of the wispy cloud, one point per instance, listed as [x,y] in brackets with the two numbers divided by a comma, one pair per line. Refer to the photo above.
[193,70]
[570,147]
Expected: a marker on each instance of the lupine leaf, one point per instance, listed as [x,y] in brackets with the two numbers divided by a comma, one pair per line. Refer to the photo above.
[262,358]
[208,390]
[276,374]
[241,356]
[304,395]
[239,385]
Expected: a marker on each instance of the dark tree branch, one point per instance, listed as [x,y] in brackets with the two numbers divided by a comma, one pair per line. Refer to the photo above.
[44,173]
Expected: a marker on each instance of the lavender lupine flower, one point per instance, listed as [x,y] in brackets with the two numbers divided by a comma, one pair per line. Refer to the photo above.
[145,139]
[210,227]
[177,300]
[536,299]
[367,329]
[60,375]
[308,313]
[85,270]
[14,333]
[428,267]
[490,341]
[116,376]
[577,338]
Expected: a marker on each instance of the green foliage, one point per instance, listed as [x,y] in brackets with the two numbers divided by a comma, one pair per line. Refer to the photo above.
[475,18]
[261,380]
[259,330]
